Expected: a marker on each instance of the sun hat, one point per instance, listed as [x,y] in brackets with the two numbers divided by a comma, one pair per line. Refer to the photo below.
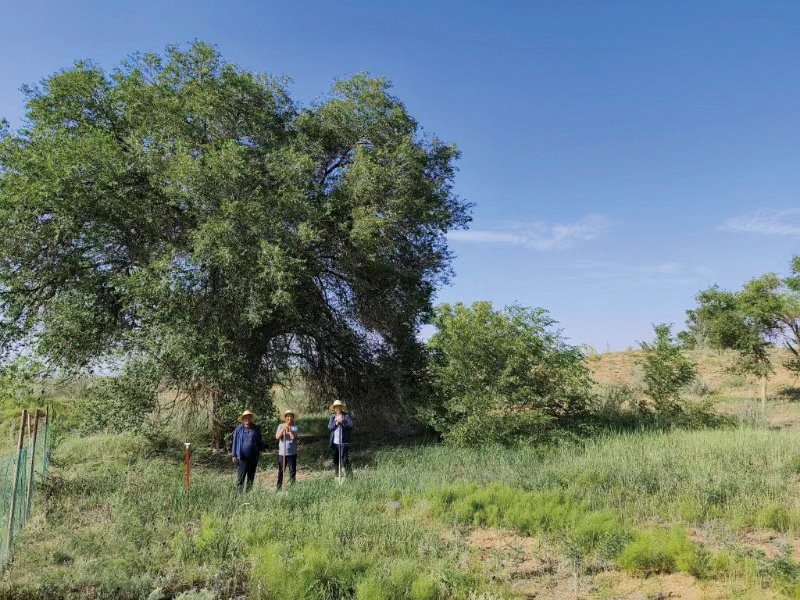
[288,411]
[338,403]
[245,414]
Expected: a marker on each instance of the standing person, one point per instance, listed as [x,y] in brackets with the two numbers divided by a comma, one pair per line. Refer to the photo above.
[245,450]
[341,427]
[286,434]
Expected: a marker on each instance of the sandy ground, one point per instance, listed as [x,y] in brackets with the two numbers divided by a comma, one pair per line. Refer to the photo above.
[528,567]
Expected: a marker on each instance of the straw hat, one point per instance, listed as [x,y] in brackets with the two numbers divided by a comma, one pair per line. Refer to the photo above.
[245,414]
[338,403]
[288,411]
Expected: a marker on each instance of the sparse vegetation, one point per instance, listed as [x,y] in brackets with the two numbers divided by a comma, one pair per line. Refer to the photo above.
[114,518]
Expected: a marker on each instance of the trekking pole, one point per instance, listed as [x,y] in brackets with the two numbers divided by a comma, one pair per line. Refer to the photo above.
[341,446]
[283,476]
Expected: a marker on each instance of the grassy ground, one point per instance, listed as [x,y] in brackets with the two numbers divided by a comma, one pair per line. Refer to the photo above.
[702,514]
[689,514]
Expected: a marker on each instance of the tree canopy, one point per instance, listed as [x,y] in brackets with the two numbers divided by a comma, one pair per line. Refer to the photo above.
[763,314]
[187,217]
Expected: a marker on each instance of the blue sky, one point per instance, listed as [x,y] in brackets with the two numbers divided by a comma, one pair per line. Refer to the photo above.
[622,155]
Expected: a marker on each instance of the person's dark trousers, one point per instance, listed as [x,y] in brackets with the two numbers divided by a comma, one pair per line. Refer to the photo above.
[247,469]
[345,458]
[291,464]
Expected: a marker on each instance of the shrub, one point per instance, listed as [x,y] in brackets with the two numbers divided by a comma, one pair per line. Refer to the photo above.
[667,370]
[658,551]
[602,532]
[700,387]
[505,376]
[425,587]
[268,579]
[775,517]
[501,505]
[313,572]
[371,587]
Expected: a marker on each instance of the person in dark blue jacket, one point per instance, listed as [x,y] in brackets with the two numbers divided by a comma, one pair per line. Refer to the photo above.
[340,426]
[245,450]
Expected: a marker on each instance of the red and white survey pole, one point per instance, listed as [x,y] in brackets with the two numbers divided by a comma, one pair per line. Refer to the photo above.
[187,472]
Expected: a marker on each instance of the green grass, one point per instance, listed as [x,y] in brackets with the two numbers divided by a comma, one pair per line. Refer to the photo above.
[112,521]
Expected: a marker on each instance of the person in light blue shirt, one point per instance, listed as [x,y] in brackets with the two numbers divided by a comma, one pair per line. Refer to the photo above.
[245,450]
[286,434]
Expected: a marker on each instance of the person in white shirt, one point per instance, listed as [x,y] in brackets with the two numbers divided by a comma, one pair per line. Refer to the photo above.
[286,434]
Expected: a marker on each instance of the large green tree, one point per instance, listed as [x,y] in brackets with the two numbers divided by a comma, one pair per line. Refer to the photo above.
[186,218]
[765,313]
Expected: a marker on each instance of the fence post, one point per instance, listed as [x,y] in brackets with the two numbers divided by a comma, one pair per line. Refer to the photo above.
[10,534]
[29,494]
[44,442]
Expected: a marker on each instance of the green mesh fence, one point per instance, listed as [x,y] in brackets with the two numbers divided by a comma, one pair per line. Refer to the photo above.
[16,490]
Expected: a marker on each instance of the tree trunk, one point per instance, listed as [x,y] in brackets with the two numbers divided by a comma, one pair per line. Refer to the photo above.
[216,421]
[764,394]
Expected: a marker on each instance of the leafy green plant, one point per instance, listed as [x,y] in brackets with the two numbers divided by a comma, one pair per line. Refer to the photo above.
[667,370]
[503,376]
[659,551]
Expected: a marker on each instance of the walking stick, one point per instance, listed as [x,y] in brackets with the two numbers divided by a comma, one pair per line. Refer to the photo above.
[283,476]
[341,445]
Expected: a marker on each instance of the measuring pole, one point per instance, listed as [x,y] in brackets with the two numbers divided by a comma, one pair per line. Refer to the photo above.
[186,444]
[10,533]
[29,495]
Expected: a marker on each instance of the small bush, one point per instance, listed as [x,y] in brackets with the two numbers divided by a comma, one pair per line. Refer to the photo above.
[213,542]
[500,505]
[402,578]
[700,387]
[425,587]
[658,551]
[602,532]
[371,587]
[268,578]
[403,581]
[316,571]
[667,370]
[775,517]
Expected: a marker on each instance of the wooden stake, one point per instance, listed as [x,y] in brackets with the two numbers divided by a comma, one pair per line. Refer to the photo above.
[10,533]
[29,495]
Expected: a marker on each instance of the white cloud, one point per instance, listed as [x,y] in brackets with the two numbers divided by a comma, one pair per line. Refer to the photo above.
[539,236]
[769,222]
[663,274]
